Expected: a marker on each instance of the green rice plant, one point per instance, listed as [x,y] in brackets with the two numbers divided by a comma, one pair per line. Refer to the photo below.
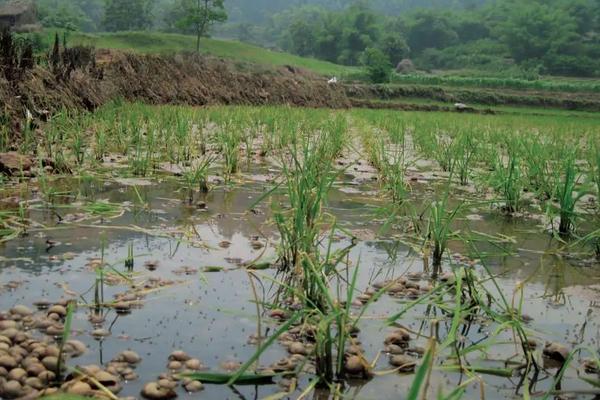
[129,261]
[47,189]
[592,240]
[141,160]
[542,174]
[567,195]
[104,209]
[444,153]
[507,180]
[439,230]
[308,177]
[101,144]
[8,229]
[78,147]
[387,153]
[182,137]
[465,148]
[28,141]
[22,216]
[594,165]
[99,288]
[5,141]
[229,140]
[393,170]
[196,177]
[65,337]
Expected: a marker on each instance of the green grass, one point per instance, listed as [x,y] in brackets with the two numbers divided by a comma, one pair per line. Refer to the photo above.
[155,42]
[547,84]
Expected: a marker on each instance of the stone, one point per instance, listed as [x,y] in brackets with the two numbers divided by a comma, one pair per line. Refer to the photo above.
[12,163]
[404,363]
[556,351]
[153,391]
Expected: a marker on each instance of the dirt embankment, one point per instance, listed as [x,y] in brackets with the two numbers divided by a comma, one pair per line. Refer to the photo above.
[177,79]
[495,97]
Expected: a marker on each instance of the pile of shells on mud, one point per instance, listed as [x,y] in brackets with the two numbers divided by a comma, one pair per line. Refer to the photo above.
[30,357]
[178,365]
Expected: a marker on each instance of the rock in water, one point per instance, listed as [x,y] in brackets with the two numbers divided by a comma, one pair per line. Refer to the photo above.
[12,163]
[556,351]
[403,362]
[153,391]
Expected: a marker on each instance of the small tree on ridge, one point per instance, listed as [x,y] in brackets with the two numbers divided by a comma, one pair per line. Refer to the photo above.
[200,15]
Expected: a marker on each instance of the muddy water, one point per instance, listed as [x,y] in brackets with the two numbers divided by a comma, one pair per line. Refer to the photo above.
[211,315]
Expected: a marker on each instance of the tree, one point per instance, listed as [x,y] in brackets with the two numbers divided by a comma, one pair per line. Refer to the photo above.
[200,15]
[430,30]
[300,38]
[377,65]
[70,14]
[394,47]
[532,30]
[128,15]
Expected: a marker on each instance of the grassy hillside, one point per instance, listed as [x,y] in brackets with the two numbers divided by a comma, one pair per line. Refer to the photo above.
[153,42]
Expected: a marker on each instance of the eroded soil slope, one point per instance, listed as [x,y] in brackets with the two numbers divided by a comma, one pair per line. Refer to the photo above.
[177,79]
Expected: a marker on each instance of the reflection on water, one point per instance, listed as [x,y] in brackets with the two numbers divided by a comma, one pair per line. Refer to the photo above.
[212,315]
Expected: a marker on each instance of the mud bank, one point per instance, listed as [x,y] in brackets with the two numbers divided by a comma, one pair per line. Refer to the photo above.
[178,79]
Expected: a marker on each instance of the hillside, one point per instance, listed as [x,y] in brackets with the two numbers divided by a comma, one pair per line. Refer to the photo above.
[163,43]
[258,11]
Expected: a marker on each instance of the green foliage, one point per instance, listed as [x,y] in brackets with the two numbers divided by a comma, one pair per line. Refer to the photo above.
[394,47]
[154,42]
[430,30]
[71,14]
[127,15]
[377,65]
[339,37]
[197,16]
[553,37]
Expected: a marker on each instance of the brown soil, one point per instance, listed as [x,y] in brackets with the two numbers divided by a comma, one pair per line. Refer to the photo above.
[177,79]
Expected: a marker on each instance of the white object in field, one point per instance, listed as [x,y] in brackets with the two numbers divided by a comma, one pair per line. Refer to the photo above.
[28,116]
[332,80]
[460,106]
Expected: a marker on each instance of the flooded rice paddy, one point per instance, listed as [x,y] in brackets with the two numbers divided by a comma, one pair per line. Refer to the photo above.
[192,286]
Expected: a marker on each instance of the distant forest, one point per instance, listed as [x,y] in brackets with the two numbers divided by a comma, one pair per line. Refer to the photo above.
[260,11]
[558,37]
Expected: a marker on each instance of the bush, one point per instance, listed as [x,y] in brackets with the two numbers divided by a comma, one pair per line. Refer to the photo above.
[377,65]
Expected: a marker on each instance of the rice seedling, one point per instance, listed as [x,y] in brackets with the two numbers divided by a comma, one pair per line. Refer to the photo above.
[101,144]
[104,209]
[196,177]
[567,195]
[439,230]
[8,229]
[308,177]
[129,261]
[78,147]
[65,337]
[592,240]
[387,153]
[142,158]
[182,137]
[541,172]
[507,180]
[5,140]
[594,165]
[229,140]
[444,153]
[465,148]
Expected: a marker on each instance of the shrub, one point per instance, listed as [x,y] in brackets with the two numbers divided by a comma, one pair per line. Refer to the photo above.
[377,65]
